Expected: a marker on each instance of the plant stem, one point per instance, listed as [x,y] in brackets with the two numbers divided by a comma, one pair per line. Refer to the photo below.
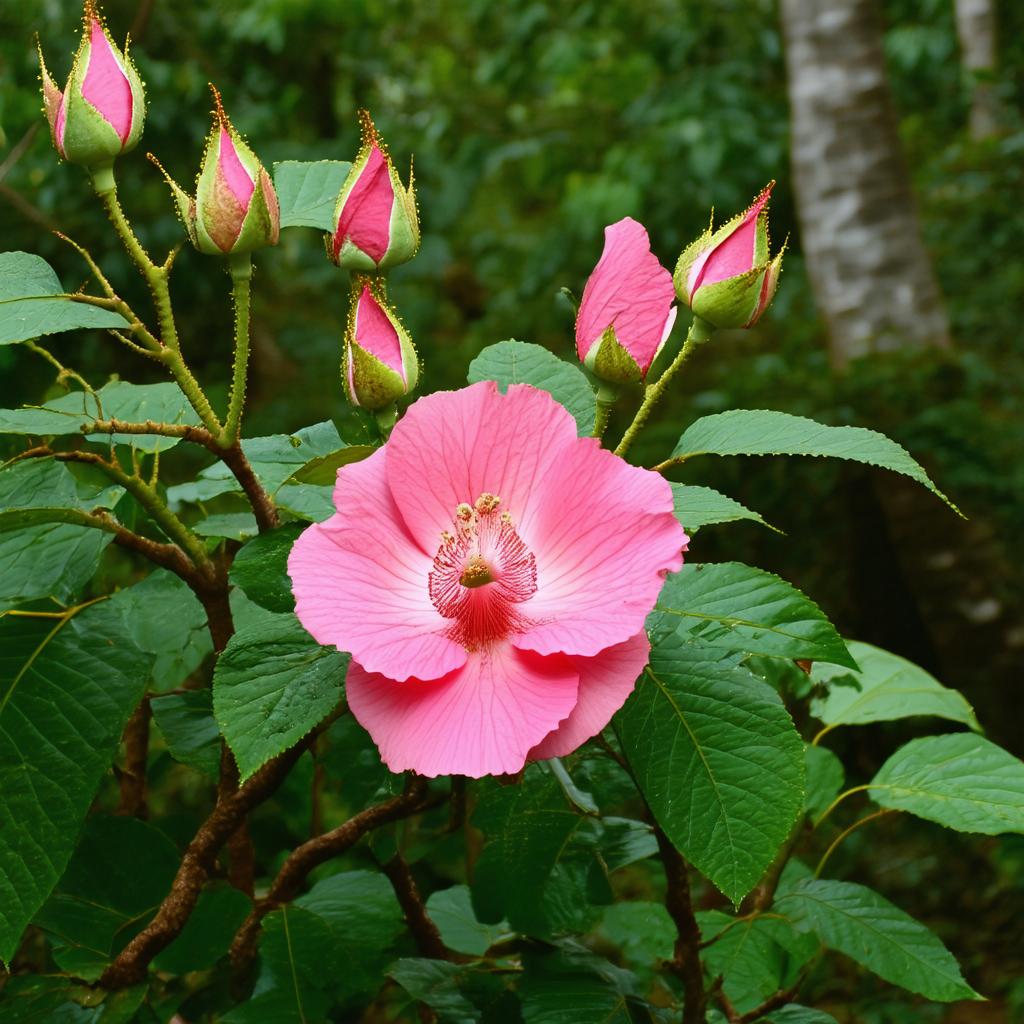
[241,279]
[699,332]
[136,753]
[424,931]
[607,395]
[842,835]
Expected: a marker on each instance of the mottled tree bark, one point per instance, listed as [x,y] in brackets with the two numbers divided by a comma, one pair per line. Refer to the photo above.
[976,29]
[873,280]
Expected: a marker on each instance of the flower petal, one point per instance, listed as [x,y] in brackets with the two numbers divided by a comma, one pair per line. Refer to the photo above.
[453,446]
[481,719]
[628,290]
[736,252]
[606,680]
[604,539]
[365,218]
[106,86]
[360,582]
[375,333]
[235,176]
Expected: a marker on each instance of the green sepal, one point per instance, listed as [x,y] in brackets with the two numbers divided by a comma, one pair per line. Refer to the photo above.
[686,260]
[261,226]
[404,241]
[732,302]
[184,203]
[609,360]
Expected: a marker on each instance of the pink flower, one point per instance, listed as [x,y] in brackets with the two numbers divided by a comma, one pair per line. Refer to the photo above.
[727,276]
[376,222]
[490,574]
[626,314]
[99,114]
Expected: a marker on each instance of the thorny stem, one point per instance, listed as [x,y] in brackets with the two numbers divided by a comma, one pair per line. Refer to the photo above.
[699,332]
[63,372]
[241,280]
[606,398]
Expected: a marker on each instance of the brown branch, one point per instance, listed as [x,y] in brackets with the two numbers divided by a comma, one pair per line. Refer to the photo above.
[241,855]
[303,859]
[197,435]
[424,931]
[773,1002]
[129,968]
[132,778]
[263,508]
[679,904]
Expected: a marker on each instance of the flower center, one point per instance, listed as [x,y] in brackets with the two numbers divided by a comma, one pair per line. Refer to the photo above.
[482,571]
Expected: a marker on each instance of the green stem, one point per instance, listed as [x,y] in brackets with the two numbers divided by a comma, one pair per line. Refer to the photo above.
[241,279]
[699,332]
[607,395]
[156,278]
[386,418]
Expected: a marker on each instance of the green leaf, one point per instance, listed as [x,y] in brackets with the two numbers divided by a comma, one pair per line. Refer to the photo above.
[50,560]
[452,911]
[886,687]
[298,959]
[323,471]
[271,686]
[73,681]
[791,1013]
[308,190]
[857,921]
[207,934]
[261,568]
[120,872]
[643,931]
[436,984]
[189,729]
[763,432]
[747,954]
[702,506]
[535,868]
[273,458]
[825,778]
[132,403]
[233,525]
[520,362]
[718,760]
[352,765]
[167,620]
[625,841]
[306,501]
[734,607]
[33,303]
[960,780]
[572,986]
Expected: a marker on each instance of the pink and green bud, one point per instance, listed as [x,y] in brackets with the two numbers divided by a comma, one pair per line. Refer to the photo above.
[235,209]
[376,225]
[627,310]
[100,113]
[380,360]
[728,277]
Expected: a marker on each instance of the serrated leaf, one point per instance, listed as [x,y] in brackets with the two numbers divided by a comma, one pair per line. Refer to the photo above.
[886,687]
[308,190]
[452,911]
[857,921]
[261,568]
[74,681]
[764,432]
[718,760]
[735,607]
[825,778]
[132,403]
[703,506]
[188,727]
[520,362]
[960,780]
[33,303]
[271,686]
[121,869]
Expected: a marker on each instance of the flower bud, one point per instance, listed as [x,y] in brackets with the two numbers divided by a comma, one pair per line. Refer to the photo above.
[726,277]
[235,209]
[380,360]
[100,113]
[375,218]
[626,314]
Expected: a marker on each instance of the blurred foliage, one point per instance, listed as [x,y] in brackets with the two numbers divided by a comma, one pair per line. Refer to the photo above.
[533,125]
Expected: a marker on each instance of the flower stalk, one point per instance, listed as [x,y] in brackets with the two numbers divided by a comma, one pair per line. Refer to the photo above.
[240,266]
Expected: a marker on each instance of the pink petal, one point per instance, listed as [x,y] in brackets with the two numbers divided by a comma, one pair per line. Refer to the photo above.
[62,116]
[606,680]
[453,446]
[735,253]
[360,582]
[376,333]
[106,86]
[366,216]
[481,719]
[604,538]
[628,290]
[235,176]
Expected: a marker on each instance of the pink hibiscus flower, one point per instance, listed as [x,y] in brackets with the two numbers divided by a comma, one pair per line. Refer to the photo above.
[490,574]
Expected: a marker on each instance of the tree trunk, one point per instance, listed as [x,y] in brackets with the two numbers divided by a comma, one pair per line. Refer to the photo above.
[976,28]
[872,278]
